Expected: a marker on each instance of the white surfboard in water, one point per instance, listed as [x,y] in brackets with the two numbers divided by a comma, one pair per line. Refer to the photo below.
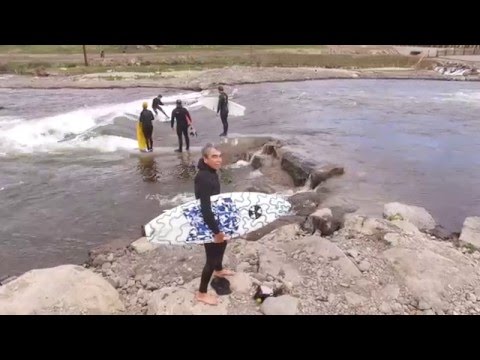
[237,214]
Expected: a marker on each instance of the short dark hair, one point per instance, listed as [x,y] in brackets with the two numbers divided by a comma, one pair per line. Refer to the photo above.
[220,88]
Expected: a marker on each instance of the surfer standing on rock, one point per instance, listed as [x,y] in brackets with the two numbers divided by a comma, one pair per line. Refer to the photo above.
[207,184]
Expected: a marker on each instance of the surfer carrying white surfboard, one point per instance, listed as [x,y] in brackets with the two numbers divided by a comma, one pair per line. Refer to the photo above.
[222,109]
[207,184]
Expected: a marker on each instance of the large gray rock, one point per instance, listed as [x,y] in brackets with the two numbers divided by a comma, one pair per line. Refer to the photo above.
[471,231]
[430,273]
[368,226]
[414,214]
[281,305]
[407,227]
[66,289]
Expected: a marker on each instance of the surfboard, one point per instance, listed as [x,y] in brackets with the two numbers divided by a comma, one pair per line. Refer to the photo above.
[142,142]
[211,103]
[237,213]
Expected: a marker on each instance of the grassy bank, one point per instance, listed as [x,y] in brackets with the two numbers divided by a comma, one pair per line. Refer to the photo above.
[197,58]
[68,59]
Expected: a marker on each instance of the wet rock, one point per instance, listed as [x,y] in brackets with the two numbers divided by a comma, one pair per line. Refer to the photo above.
[441,233]
[297,167]
[322,221]
[271,149]
[324,172]
[259,160]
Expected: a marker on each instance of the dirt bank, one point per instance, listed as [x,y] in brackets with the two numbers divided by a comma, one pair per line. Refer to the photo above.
[204,79]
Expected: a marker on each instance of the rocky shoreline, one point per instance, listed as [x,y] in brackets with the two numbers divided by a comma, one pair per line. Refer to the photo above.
[197,80]
[321,260]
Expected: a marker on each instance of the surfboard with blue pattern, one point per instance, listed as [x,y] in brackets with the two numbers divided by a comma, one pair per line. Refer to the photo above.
[237,214]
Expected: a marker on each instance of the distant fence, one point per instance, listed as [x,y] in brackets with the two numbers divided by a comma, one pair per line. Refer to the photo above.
[448,50]
[475,50]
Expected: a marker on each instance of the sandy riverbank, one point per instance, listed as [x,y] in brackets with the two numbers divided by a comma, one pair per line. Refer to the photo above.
[204,79]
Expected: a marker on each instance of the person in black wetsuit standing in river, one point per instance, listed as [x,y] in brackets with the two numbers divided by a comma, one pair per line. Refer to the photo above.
[146,118]
[182,116]
[222,109]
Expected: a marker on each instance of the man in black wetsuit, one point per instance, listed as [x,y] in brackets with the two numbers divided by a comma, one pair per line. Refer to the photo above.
[146,118]
[182,116]
[156,105]
[222,108]
[207,184]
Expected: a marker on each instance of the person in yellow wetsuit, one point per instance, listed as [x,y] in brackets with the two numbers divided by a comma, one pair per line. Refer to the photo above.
[146,118]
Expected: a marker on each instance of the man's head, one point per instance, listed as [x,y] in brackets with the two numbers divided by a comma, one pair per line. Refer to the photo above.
[159,96]
[145,105]
[212,156]
[220,88]
[179,103]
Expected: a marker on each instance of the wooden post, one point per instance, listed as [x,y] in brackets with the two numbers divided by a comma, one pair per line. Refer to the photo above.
[85,54]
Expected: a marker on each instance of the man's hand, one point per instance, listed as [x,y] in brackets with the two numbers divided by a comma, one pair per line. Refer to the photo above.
[220,237]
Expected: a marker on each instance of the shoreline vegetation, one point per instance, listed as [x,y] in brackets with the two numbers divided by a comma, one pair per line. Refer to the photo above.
[202,67]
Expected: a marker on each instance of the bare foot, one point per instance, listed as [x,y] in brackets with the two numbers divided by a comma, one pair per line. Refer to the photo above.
[223,273]
[206,298]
